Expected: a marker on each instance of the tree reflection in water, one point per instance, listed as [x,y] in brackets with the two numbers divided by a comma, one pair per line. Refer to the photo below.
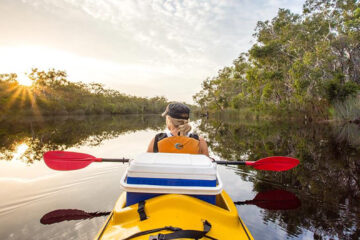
[37,136]
[327,179]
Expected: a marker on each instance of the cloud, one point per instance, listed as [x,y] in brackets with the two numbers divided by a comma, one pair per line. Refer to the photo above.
[190,39]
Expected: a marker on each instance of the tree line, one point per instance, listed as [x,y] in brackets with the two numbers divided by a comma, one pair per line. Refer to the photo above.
[305,62]
[52,94]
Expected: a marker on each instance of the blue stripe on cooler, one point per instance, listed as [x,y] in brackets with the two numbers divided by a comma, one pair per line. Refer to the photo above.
[171,182]
[133,198]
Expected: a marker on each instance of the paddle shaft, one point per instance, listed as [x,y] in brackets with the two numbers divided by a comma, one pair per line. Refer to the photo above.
[254,201]
[232,163]
[247,202]
[123,160]
[63,161]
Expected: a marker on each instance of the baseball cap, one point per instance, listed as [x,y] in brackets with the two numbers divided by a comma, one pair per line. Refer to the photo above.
[177,110]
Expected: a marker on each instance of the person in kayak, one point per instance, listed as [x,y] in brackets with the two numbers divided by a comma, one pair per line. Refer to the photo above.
[177,138]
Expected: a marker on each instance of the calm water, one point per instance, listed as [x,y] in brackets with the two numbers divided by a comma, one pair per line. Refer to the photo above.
[326,182]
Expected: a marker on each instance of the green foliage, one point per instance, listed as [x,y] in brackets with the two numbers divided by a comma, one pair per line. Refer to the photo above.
[335,91]
[52,94]
[304,62]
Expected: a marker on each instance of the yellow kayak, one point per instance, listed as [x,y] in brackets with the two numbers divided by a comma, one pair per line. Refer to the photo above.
[171,216]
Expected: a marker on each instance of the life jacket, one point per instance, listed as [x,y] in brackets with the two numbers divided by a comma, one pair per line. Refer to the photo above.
[167,143]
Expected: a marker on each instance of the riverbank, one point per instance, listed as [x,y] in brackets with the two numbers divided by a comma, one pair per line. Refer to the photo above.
[52,94]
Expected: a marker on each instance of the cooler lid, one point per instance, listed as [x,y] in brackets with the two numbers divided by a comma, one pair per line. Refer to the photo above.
[172,165]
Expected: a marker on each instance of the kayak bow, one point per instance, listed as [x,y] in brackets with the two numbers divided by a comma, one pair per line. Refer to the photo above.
[179,212]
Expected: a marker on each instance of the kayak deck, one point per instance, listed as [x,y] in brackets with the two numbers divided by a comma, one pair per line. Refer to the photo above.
[175,210]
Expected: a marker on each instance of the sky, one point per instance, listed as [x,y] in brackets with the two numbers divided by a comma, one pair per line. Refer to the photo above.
[139,47]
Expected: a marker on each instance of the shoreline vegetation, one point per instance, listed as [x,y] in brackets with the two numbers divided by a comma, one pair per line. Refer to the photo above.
[52,94]
[300,66]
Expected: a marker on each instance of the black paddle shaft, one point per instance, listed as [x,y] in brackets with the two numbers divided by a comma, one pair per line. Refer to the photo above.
[122,160]
[231,162]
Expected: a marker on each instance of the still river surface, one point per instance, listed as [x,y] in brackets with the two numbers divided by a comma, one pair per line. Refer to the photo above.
[326,182]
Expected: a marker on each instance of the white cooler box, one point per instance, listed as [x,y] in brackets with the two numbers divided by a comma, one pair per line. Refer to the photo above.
[152,174]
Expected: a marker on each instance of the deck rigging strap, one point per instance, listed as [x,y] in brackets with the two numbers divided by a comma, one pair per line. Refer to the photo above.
[168,228]
[192,234]
[141,210]
[177,233]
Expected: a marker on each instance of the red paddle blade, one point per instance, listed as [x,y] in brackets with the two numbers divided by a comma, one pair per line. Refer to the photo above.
[277,163]
[61,160]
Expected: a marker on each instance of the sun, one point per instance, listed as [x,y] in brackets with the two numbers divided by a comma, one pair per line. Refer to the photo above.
[24,80]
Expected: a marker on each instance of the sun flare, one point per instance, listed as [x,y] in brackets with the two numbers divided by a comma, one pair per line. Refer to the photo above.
[20,151]
[24,80]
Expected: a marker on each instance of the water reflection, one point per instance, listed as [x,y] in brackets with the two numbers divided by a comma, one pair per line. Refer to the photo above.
[61,215]
[28,139]
[349,133]
[20,151]
[327,180]
[276,199]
